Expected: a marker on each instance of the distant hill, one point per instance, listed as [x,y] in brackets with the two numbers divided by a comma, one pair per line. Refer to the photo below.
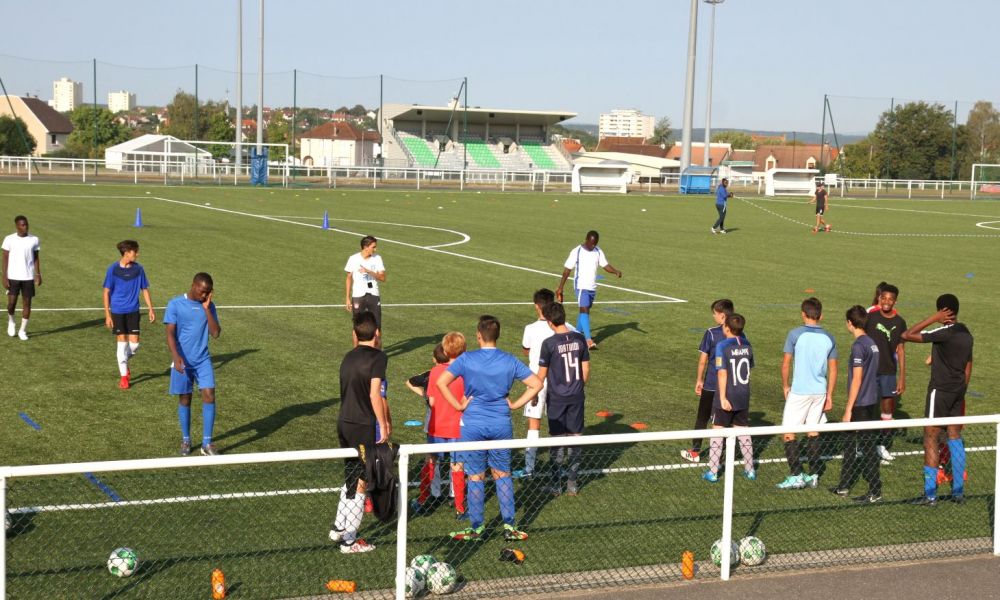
[698,134]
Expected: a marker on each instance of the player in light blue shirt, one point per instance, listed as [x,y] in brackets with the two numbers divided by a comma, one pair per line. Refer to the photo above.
[190,319]
[488,374]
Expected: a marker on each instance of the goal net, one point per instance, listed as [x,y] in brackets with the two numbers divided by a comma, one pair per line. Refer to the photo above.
[985,180]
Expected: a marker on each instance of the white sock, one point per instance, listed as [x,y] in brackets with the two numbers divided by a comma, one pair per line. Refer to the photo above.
[10,319]
[341,520]
[122,355]
[353,513]
[530,453]
[133,347]
[24,325]
[746,447]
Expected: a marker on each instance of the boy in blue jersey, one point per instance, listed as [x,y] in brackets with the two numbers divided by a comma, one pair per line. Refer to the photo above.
[862,405]
[124,281]
[564,365]
[190,319]
[585,259]
[722,196]
[488,374]
[733,359]
[705,381]
[810,392]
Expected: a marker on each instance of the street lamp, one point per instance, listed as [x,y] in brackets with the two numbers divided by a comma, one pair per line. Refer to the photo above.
[708,110]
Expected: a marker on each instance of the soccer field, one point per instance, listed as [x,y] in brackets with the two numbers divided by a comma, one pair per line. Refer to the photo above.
[450,257]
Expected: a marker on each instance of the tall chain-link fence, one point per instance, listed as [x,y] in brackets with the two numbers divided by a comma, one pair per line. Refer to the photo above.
[595,512]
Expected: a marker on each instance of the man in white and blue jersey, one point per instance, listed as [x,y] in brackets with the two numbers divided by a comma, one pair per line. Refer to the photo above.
[583,261]
[124,281]
[190,318]
[862,405]
[564,365]
[810,392]
[488,374]
[733,359]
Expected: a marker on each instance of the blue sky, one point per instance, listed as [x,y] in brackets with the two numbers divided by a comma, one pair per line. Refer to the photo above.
[774,59]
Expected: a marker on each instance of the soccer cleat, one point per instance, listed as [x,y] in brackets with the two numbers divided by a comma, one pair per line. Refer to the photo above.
[943,476]
[828,229]
[811,480]
[461,515]
[714,230]
[815,229]
[123,383]
[11,329]
[209,450]
[22,335]
[571,488]
[513,534]
[185,448]
[467,534]
[792,482]
[369,507]
[416,508]
[723,230]
[751,475]
[925,501]
[884,454]
[359,546]
[710,477]
[591,345]
[958,498]
[336,535]
[842,492]
[868,499]
[691,455]
[555,489]
[520,473]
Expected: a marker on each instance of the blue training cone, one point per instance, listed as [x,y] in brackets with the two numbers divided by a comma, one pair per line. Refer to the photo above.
[326,219]
[138,217]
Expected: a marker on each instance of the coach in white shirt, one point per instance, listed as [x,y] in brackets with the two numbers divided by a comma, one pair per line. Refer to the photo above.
[22,272]
[364,272]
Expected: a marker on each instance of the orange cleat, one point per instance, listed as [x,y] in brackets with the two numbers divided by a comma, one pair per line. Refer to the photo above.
[123,383]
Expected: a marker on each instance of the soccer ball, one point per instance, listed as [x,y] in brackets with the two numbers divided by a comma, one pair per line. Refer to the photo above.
[123,562]
[442,578]
[716,553]
[415,581]
[423,563]
[752,551]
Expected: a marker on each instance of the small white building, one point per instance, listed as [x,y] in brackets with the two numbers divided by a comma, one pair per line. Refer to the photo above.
[605,176]
[156,153]
[66,94]
[625,123]
[121,101]
[339,144]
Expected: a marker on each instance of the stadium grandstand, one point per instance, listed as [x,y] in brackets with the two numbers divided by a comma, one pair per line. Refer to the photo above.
[446,137]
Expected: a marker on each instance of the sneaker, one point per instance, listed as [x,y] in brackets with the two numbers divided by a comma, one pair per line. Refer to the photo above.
[185,448]
[209,450]
[22,335]
[467,534]
[792,482]
[714,230]
[336,535]
[123,383]
[710,477]
[868,499]
[11,329]
[357,547]
[521,473]
[811,480]
[691,455]
[571,488]
[513,534]
[884,454]
[723,231]
[751,475]
[925,501]
[842,492]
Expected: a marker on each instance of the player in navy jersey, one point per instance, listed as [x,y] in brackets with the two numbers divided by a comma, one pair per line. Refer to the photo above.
[564,364]
[862,405]
[705,382]
[733,359]
[951,369]
[124,281]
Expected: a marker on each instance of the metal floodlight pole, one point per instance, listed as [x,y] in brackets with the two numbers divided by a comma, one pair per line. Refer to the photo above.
[707,160]
[260,77]
[689,88]
[239,88]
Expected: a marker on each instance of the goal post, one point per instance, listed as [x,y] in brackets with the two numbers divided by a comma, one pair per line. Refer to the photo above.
[215,157]
[985,180]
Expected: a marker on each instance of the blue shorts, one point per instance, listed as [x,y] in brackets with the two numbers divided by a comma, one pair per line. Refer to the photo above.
[886,386]
[585,298]
[183,383]
[439,456]
[476,461]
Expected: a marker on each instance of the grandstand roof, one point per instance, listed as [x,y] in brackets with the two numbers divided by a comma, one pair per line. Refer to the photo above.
[476,115]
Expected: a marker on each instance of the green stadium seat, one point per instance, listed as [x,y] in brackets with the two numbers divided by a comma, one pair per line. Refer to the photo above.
[482,155]
[538,155]
[420,151]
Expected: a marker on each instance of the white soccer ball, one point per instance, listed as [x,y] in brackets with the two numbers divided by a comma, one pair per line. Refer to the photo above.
[416,581]
[716,553]
[442,578]
[752,551]
[123,562]
[423,562]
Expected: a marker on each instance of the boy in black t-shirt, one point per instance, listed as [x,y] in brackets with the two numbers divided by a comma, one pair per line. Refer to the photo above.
[951,369]
[886,328]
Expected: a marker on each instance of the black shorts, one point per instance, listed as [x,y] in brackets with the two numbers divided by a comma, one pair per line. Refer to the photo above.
[820,208]
[25,288]
[355,435]
[125,324]
[730,418]
[368,303]
[944,404]
[565,418]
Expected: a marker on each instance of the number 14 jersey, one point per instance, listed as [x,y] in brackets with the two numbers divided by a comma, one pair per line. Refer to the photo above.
[563,355]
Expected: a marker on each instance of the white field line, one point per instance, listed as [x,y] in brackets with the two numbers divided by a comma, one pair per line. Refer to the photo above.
[887,208]
[340,306]
[409,245]
[331,490]
[65,197]
[465,237]
[987,225]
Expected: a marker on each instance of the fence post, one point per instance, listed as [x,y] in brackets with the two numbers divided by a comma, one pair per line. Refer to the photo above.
[727,502]
[404,487]
[996,494]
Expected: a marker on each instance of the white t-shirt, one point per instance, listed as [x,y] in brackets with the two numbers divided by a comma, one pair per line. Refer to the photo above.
[21,262]
[585,264]
[534,335]
[363,283]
